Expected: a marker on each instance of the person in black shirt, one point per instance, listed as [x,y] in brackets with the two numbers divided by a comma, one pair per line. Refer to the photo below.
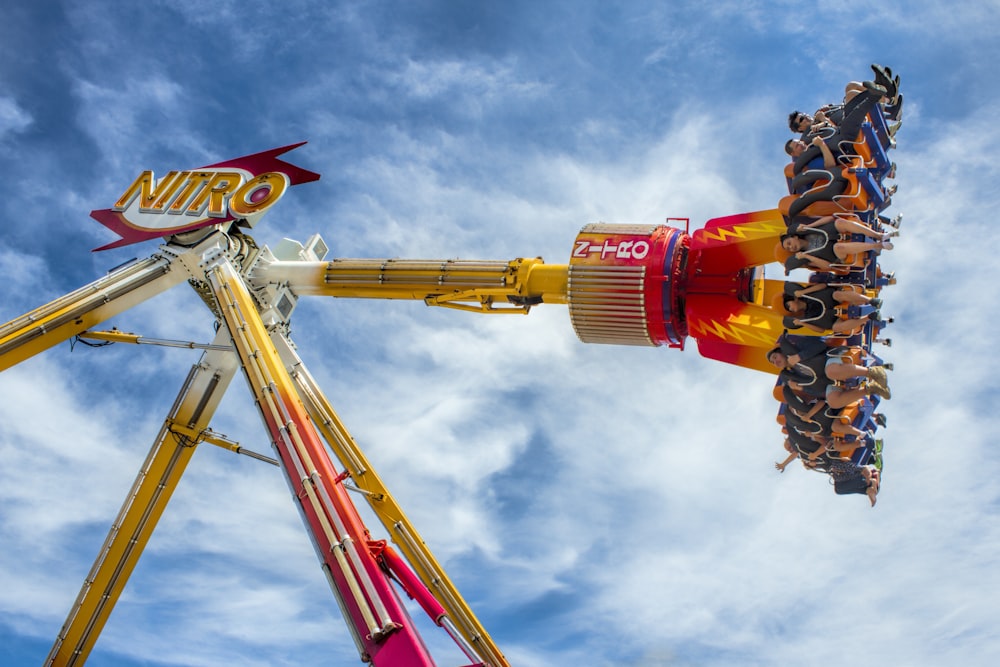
[815,307]
[809,370]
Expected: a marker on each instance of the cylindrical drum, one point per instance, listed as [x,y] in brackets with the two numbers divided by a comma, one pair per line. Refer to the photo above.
[623,285]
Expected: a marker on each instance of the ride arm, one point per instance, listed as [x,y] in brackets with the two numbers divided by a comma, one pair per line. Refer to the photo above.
[457,616]
[116,336]
[67,316]
[183,429]
[478,286]
[380,625]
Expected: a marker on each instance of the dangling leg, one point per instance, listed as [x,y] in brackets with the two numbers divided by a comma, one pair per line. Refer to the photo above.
[841,428]
[848,326]
[844,249]
[841,398]
[851,298]
[851,226]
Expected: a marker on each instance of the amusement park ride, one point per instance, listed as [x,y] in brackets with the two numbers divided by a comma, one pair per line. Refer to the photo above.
[649,285]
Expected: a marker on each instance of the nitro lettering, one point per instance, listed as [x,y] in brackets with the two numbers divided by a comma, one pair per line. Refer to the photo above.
[258,194]
[169,186]
[623,249]
[195,182]
[215,194]
[151,199]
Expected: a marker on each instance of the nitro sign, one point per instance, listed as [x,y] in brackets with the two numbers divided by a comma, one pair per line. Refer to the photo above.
[618,245]
[618,249]
[183,201]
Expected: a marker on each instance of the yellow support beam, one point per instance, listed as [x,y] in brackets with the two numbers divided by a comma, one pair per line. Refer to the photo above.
[116,336]
[146,501]
[74,313]
[480,286]
[404,534]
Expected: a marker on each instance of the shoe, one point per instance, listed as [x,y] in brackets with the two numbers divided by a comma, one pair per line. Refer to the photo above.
[876,88]
[886,245]
[895,90]
[883,80]
[889,366]
[877,375]
[894,128]
[894,112]
[875,316]
[891,235]
[885,341]
[897,221]
[879,419]
[892,170]
[880,390]
[875,303]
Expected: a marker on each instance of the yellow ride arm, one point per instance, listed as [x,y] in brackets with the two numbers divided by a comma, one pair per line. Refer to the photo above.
[480,286]
[59,320]
[155,483]
[404,534]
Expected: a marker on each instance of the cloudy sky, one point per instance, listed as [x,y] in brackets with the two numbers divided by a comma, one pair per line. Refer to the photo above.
[596,505]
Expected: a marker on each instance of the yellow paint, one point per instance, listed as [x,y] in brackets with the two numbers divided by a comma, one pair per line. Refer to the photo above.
[132,529]
[74,313]
[384,505]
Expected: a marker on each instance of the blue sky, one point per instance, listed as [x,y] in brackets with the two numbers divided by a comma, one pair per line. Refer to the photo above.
[596,505]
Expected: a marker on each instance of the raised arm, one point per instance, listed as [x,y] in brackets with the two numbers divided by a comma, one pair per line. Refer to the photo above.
[828,160]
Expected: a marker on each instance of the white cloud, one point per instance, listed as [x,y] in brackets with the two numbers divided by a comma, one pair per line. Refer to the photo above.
[597,505]
[13,118]
[476,84]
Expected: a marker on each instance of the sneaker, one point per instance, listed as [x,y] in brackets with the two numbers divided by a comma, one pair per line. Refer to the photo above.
[897,109]
[875,303]
[889,366]
[883,82]
[879,419]
[876,88]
